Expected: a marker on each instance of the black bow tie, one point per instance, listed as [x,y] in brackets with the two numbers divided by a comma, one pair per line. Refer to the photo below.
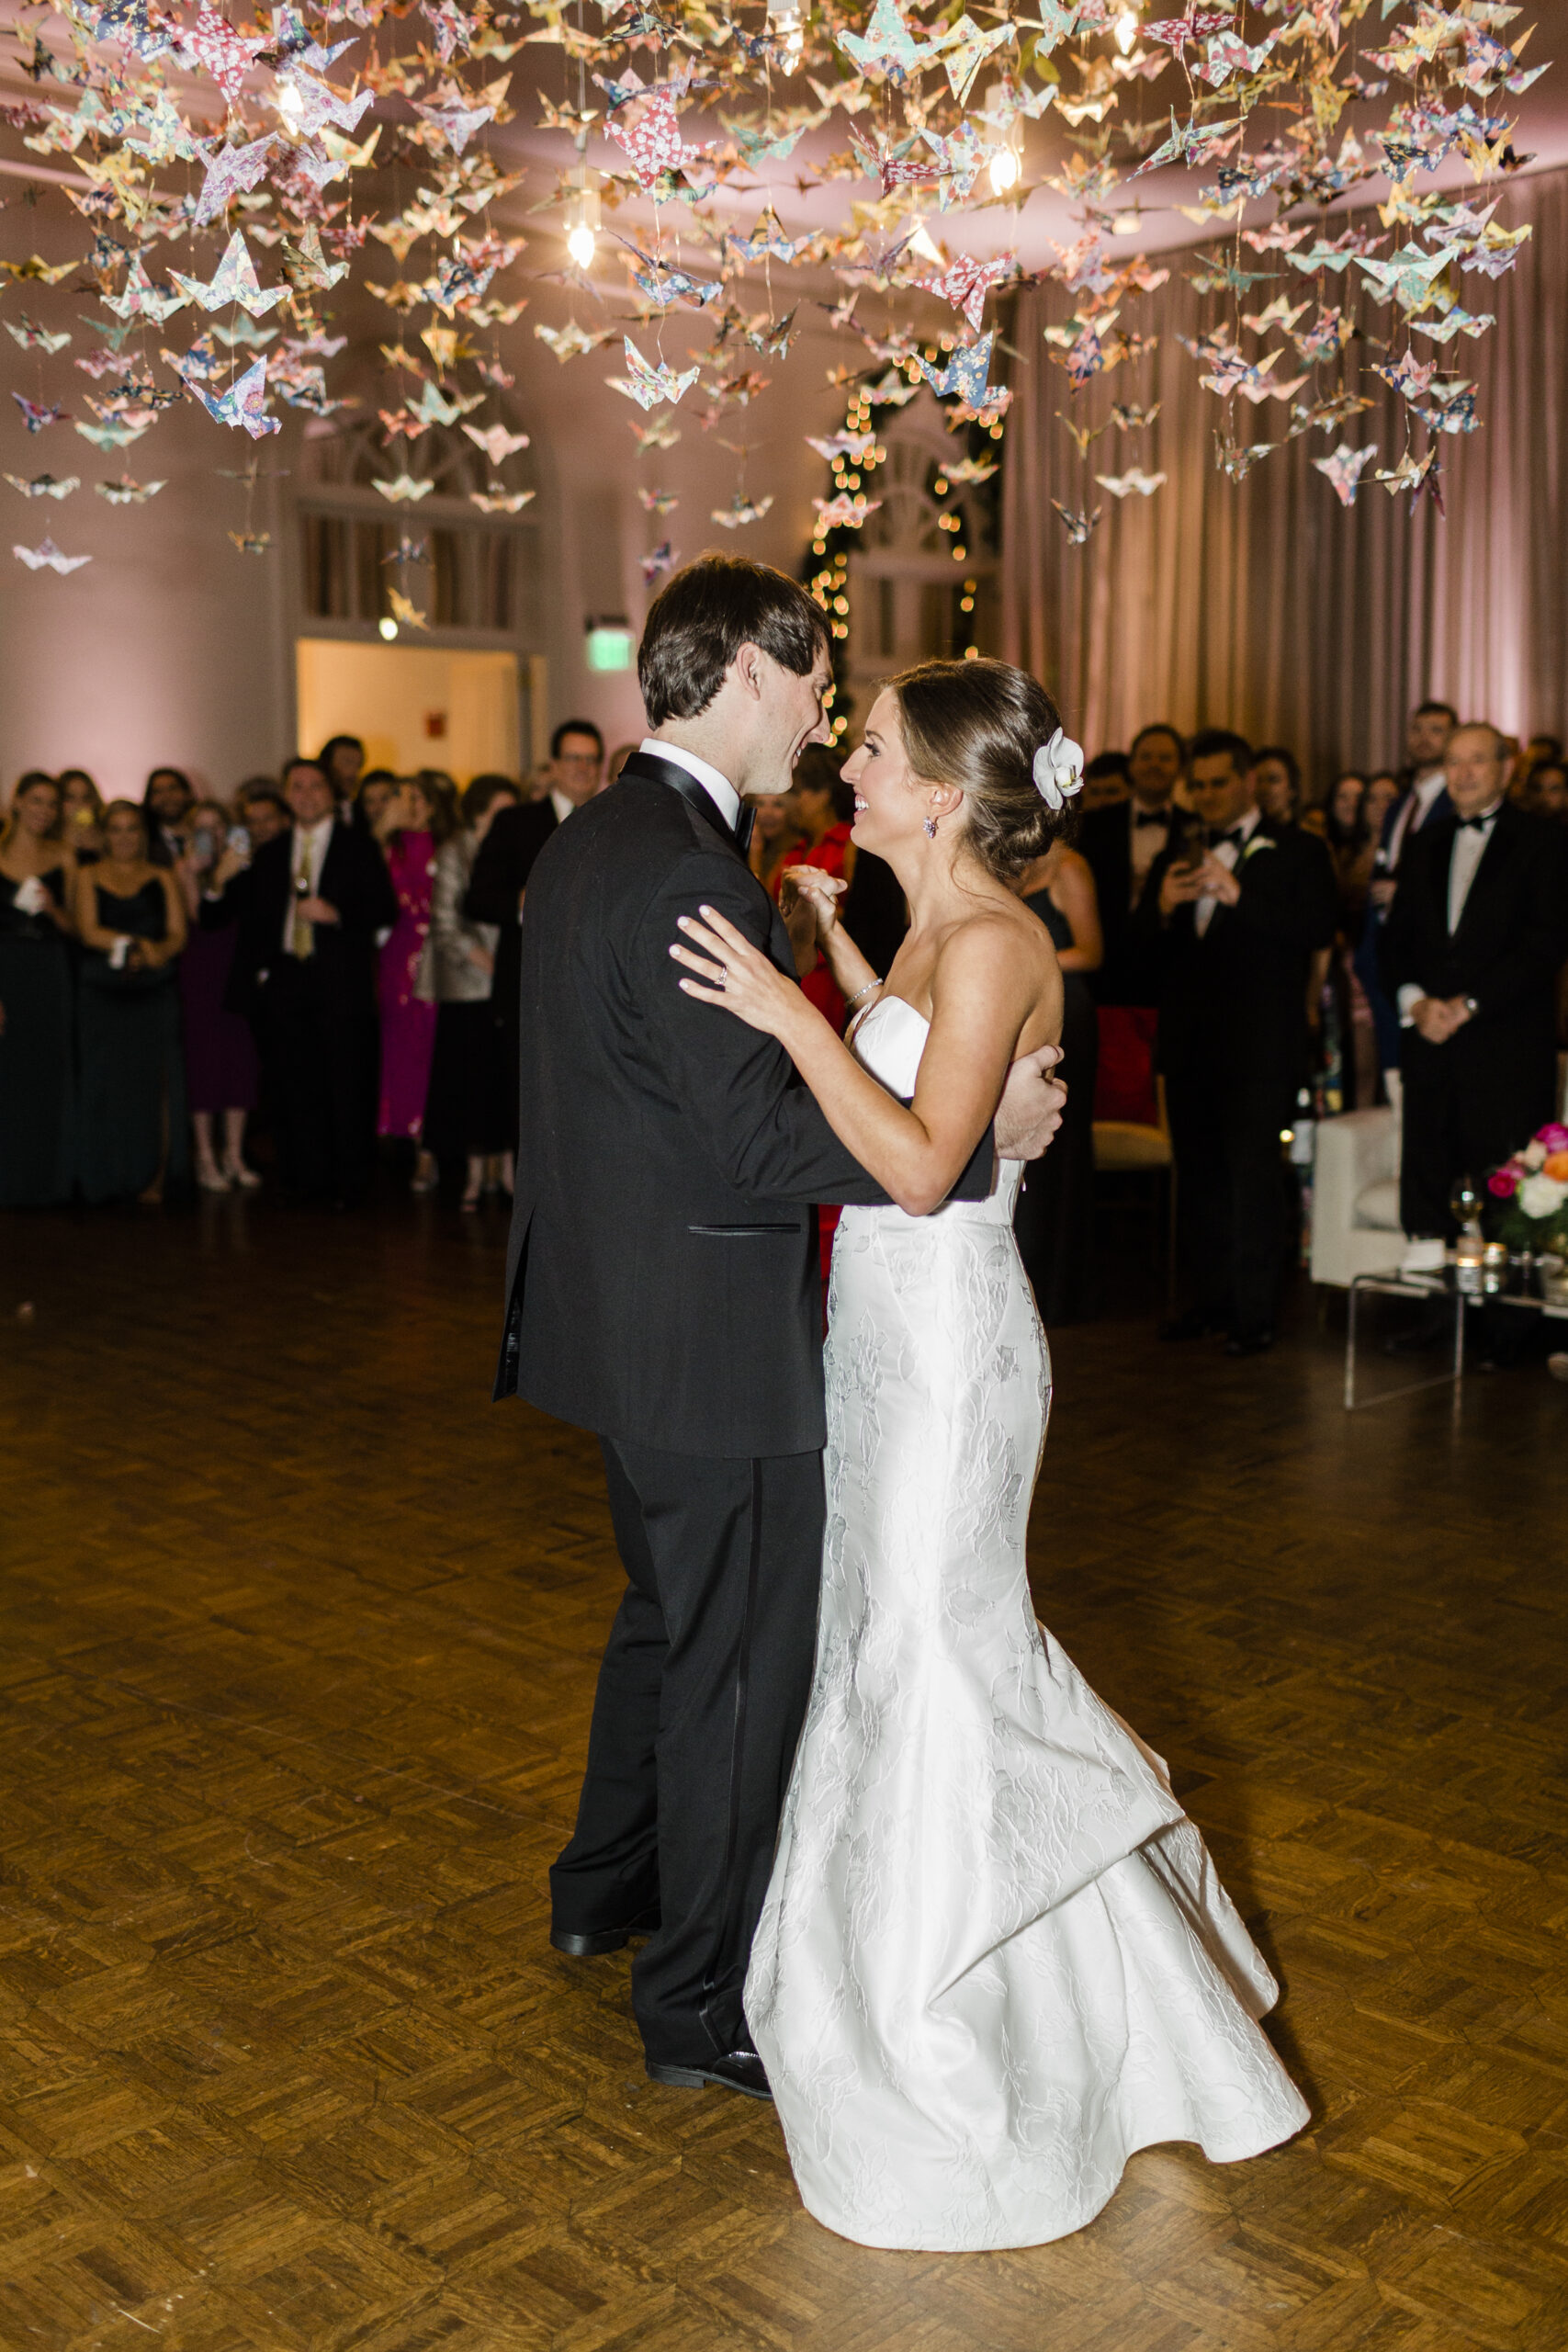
[1475,824]
[1235,836]
[1151,817]
[744,824]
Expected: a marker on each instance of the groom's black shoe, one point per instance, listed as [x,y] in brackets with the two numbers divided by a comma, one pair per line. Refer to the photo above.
[741,2070]
[593,1945]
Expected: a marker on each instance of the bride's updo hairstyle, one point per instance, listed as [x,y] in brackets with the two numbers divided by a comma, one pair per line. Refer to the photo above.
[978,725]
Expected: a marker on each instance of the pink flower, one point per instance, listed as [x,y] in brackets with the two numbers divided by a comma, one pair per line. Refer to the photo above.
[1555,1135]
[1503,1182]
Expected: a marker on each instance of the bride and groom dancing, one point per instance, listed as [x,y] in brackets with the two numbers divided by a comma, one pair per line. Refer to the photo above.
[897,1866]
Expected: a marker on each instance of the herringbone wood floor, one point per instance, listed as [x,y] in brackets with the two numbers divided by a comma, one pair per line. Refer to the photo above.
[297,1655]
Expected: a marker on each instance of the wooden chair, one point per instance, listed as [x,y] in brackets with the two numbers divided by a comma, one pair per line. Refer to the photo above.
[1131,1148]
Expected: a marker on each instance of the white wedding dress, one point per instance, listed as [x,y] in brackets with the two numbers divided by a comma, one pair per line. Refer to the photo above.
[994,1959]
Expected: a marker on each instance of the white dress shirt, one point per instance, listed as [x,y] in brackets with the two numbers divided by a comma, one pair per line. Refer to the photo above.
[1414,812]
[308,847]
[562,807]
[1464,859]
[720,789]
[1225,853]
[1144,844]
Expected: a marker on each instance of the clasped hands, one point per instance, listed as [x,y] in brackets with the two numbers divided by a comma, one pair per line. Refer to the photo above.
[1211,878]
[1436,1018]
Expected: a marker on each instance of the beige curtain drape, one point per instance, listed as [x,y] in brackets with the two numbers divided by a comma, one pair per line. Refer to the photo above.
[1265,605]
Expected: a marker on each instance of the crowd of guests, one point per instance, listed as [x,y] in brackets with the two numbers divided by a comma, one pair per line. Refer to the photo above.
[334,960]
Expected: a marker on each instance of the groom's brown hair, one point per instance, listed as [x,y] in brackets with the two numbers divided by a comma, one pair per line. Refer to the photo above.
[701,617]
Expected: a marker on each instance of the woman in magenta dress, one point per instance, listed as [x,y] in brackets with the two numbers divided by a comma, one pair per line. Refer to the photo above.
[412,828]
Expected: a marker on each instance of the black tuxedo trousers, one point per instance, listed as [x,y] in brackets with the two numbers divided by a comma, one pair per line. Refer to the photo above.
[701,1698]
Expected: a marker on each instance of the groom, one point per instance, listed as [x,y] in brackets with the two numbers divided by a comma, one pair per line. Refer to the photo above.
[663,1290]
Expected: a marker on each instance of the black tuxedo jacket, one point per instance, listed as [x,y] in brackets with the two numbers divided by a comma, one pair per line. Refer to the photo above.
[1512,936]
[353,879]
[501,873]
[662,1280]
[1233,1003]
[1105,839]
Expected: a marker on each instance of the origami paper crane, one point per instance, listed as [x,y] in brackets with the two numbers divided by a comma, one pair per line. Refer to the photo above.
[35,418]
[1277,313]
[404,612]
[308,106]
[1329,335]
[658,501]
[306,265]
[32,337]
[1458,321]
[499,500]
[1407,375]
[664,285]
[1338,255]
[1128,417]
[47,553]
[1077,525]
[234,281]
[1226,54]
[432,408]
[496,441]
[651,137]
[1410,473]
[244,405]
[244,332]
[113,435]
[663,434]
[844,513]
[741,510]
[1134,480]
[767,237]
[141,298]
[1237,462]
[964,373]
[403,487]
[212,44]
[1406,277]
[1452,409]
[1186,32]
[855,447]
[658,562]
[229,171]
[44,486]
[648,386]
[965,49]
[123,492]
[970,469]
[968,281]
[887,49]
[1344,470]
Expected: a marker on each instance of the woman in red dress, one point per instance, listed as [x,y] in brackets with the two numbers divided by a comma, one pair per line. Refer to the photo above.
[821,809]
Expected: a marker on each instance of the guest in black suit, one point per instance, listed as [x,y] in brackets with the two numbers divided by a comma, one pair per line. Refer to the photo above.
[168,801]
[1121,841]
[311,906]
[663,1290]
[1422,801]
[1478,929]
[1233,918]
[506,859]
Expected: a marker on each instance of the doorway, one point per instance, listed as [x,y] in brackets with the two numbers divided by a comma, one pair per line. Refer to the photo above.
[415,705]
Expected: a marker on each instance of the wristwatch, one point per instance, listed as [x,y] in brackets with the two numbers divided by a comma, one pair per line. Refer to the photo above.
[1472,1007]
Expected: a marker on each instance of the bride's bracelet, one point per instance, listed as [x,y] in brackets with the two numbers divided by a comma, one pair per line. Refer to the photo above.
[859,992]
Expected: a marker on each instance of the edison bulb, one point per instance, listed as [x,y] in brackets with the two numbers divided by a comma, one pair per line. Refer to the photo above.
[580,244]
[1005,170]
[1126,29]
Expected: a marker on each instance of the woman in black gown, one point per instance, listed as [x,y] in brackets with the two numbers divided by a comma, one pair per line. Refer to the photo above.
[37,1082]
[1055,1217]
[131,918]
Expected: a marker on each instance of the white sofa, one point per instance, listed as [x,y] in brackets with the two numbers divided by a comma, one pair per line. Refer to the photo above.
[1354,1197]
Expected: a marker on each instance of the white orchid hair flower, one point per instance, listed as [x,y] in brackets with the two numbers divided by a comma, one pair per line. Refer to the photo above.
[1058,770]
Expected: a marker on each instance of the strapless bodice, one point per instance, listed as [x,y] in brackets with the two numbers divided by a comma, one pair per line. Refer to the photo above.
[889,1041]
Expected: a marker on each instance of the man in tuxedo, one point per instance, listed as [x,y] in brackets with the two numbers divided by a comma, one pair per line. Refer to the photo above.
[310,907]
[1422,801]
[168,800]
[1121,840]
[1232,921]
[1478,929]
[506,859]
[663,1290]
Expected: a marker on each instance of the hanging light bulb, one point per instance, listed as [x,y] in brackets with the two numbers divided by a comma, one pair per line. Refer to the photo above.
[1126,28]
[786,26]
[1005,170]
[388,627]
[581,215]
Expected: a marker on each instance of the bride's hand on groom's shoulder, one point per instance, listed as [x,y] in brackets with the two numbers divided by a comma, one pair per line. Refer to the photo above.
[733,973]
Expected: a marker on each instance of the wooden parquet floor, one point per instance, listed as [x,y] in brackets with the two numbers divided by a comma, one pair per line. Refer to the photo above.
[296,1658]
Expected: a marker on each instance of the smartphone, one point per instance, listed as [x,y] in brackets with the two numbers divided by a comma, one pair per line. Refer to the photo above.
[240,840]
[203,847]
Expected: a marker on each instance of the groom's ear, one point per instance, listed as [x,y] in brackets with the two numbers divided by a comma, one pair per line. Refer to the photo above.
[747,667]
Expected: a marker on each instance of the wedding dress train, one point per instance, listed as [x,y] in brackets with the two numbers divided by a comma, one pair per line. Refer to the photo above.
[994,1959]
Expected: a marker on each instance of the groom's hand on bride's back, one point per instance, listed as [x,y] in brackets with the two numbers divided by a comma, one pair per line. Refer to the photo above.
[1031,1109]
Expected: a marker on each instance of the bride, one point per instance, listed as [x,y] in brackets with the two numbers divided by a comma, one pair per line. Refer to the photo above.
[994,1959]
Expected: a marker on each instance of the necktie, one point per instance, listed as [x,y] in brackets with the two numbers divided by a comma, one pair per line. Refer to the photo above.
[1473,824]
[302,939]
[744,823]
[1151,817]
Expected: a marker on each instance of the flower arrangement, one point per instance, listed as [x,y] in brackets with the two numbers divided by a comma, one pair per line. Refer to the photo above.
[1530,1193]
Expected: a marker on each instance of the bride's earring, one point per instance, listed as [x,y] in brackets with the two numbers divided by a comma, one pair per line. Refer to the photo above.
[930,828]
